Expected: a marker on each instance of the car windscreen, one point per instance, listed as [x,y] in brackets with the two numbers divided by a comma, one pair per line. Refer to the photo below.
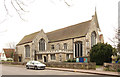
[37,63]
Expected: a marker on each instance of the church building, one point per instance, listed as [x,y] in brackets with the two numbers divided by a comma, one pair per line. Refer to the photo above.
[60,45]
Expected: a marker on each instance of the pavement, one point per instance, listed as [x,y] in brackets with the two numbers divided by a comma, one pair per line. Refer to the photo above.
[99,72]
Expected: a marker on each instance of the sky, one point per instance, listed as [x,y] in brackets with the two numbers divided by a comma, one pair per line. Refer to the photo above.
[50,15]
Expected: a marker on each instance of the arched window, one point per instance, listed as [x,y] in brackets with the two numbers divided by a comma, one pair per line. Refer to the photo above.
[42,45]
[65,46]
[93,38]
[27,51]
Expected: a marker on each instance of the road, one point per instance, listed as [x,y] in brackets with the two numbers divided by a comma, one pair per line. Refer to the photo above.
[21,70]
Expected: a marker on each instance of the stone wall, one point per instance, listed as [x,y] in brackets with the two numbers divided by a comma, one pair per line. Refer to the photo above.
[72,65]
[21,51]
[112,67]
[61,65]
[14,63]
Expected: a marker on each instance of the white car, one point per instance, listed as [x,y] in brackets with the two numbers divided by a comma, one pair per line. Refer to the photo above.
[35,65]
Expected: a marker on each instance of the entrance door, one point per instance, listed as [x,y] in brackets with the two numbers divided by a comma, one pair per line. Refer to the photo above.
[20,59]
[78,49]
[45,59]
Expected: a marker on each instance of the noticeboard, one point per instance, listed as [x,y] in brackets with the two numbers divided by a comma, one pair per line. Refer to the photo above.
[77,59]
[82,60]
[85,60]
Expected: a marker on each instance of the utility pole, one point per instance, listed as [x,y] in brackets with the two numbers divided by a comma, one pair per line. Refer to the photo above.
[119,27]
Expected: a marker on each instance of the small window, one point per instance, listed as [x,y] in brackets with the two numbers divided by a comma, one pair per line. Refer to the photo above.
[40,56]
[52,56]
[93,38]
[67,56]
[52,47]
[87,44]
[65,46]
[58,46]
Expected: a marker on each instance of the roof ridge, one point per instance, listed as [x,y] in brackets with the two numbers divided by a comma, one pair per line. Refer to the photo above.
[32,33]
[63,32]
[8,48]
[68,26]
[59,29]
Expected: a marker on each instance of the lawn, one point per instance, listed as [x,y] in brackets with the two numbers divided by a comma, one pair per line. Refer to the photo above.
[98,66]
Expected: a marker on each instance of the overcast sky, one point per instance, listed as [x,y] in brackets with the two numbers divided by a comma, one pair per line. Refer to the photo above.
[50,15]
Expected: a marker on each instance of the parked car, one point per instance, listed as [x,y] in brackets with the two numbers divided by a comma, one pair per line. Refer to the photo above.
[35,65]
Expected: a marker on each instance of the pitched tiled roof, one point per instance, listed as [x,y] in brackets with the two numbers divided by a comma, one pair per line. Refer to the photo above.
[9,52]
[28,38]
[73,31]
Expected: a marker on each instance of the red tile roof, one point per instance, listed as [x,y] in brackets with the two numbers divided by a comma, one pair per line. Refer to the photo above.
[9,52]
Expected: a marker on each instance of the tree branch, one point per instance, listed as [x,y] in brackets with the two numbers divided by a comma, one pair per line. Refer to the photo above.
[16,10]
[21,2]
[20,6]
[6,7]
[66,3]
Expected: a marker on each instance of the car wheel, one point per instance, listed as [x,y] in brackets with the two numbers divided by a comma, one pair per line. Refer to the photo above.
[35,68]
[43,68]
[27,67]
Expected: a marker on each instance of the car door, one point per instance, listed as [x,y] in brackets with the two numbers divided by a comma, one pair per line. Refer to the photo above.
[31,65]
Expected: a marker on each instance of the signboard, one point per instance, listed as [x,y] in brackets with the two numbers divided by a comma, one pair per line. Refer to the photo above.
[81,59]
[85,60]
[77,59]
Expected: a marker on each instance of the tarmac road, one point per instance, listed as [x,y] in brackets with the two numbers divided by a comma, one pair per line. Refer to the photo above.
[21,70]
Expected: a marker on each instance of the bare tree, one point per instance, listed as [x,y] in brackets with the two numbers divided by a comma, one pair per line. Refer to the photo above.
[19,6]
[11,45]
[114,40]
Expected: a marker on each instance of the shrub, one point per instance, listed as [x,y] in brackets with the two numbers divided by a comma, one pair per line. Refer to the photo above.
[71,60]
[119,62]
[101,53]
[2,60]
[68,60]
[118,70]
[9,59]
[118,57]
